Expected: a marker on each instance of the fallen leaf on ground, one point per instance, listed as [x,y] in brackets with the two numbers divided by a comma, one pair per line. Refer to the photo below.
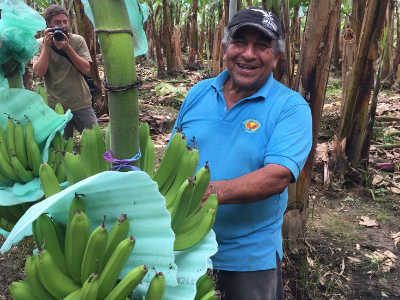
[368,222]
[395,237]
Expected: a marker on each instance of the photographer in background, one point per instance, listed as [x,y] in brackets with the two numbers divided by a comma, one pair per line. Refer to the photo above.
[63,78]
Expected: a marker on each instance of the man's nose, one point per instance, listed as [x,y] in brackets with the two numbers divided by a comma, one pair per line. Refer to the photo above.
[250,51]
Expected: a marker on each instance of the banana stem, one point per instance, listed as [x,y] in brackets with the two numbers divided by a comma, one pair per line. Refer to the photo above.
[14,79]
[113,29]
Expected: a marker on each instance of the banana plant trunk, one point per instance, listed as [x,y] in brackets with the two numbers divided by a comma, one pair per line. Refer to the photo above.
[14,78]
[114,31]
[311,81]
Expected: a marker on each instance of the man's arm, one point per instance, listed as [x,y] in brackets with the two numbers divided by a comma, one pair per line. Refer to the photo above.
[252,187]
[41,65]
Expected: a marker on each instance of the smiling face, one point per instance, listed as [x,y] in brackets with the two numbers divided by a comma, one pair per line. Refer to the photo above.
[250,57]
[60,20]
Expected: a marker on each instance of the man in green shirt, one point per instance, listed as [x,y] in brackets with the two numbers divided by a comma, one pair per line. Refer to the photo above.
[63,80]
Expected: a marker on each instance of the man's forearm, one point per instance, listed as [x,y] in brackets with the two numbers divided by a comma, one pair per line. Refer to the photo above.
[41,65]
[251,187]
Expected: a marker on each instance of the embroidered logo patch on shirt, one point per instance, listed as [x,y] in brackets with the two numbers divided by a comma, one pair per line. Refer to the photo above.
[251,125]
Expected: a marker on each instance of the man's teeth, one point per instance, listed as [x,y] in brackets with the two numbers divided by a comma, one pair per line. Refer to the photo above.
[247,67]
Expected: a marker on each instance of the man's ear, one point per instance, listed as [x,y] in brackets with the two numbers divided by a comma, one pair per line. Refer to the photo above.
[276,58]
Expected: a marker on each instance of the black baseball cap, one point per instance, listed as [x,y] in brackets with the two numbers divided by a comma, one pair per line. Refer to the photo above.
[257,17]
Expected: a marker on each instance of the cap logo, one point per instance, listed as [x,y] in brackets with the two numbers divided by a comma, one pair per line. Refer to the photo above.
[268,20]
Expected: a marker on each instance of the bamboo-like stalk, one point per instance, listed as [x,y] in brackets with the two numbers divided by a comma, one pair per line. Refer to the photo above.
[15,81]
[119,66]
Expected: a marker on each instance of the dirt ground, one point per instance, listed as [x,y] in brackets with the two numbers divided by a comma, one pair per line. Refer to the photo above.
[351,248]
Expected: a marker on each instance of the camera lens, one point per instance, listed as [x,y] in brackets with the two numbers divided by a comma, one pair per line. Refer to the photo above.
[58,35]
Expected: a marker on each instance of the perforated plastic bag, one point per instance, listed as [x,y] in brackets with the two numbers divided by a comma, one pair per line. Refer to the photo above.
[138,14]
[18,25]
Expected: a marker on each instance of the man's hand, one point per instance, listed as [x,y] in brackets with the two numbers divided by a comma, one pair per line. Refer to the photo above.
[48,38]
[63,44]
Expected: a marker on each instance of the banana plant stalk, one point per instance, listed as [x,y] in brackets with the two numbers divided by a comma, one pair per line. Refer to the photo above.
[113,30]
[14,81]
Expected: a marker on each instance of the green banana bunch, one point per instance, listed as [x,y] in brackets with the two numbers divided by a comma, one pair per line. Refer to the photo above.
[166,172]
[156,288]
[21,290]
[114,266]
[75,246]
[6,225]
[9,216]
[193,236]
[204,285]
[125,287]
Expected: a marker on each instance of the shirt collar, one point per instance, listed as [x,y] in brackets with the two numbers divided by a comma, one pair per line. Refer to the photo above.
[262,93]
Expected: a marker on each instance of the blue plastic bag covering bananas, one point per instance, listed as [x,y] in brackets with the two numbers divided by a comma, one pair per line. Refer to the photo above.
[18,25]
[135,194]
[138,14]
[24,105]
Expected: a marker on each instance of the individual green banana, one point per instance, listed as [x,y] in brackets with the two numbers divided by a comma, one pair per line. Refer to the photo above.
[114,266]
[90,287]
[125,287]
[59,147]
[40,91]
[60,173]
[10,133]
[187,168]
[52,158]
[182,202]
[21,290]
[89,161]
[35,157]
[48,180]
[3,144]
[204,285]
[59,109]
[144,134]
[20,146]
[29,134]
[74,168]
[34,281]
[52,278]
[6,224]
[94,252]
[78,236]
[201,180]
[14,212]
[69,145]
[211,295]
[100,147]
[119,232]
[7,169]
[156,288]
[192,237]
[23,174]
[60,232]
[48,240]
[171,158]
[77,204]
[149,162]
[190,222]
[4,178]
[75,295]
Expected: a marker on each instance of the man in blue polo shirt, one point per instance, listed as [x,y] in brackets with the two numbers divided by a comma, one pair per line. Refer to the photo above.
[256,134]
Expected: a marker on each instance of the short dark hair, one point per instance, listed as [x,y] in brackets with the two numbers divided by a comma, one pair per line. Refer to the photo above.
[54,10]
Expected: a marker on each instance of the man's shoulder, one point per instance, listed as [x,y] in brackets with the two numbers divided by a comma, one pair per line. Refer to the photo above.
[73,36]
